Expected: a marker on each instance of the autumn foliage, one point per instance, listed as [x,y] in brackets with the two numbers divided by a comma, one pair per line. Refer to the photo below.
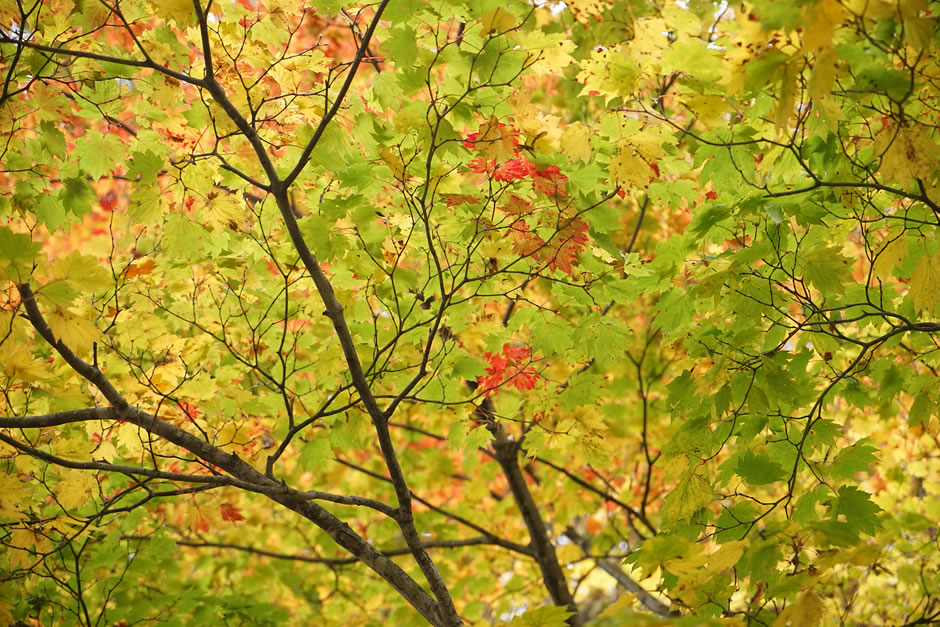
[469,312]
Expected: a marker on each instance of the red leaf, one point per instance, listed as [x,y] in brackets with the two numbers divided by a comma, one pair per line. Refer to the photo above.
[549,182]
[570,241]
[511,367]
[230,512]
[514,169]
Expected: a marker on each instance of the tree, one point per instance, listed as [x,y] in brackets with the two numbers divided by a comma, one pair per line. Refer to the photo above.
[469,312]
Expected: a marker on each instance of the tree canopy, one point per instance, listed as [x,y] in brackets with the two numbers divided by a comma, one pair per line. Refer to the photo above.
[469,312]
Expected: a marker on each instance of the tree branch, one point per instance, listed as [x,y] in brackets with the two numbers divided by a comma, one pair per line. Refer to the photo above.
[553,576]
[624,580]
[250,478]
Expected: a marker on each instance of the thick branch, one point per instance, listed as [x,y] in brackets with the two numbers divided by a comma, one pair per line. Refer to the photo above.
[334,311]
[552,574]
[338,530]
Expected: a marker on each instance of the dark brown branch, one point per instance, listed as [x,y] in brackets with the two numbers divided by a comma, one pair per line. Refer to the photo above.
[553,576]
[248,477]
[145,64]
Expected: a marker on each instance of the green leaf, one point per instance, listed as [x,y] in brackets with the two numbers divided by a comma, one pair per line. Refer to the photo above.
[17,252]
[691,494]
[146,165]
[856,458]
[758,469]
[826,269]
[99,153]
[860,513]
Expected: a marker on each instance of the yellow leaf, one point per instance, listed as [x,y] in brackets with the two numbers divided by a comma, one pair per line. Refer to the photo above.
[391,156]
[586,10]
[83,271]
[889,257]
[75,487]
[232,434]
[609,72]
[497,20]
[820,22]
[576,142]
[224,210]
[129,437]
[6,618]
[681,20]
[726,556]
[626,602]
[787,97]
[19,365]
[806,612]
[907,154]
[649,43]
[691,562]
[105,451]
[175,10]
[692,494]
[824,73]
[925,283]
[628,169]
[497,141]
[709,110]
[552,51]
[16,494]
[76,332]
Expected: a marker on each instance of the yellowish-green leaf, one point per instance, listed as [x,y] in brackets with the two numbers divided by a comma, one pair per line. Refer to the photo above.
[888,258]
[692,494]
[77,332]
[925,283]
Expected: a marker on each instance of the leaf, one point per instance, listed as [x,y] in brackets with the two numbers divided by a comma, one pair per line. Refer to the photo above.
[146,165]
[230,512]
[888,258]
[825,268]
[922,409]
[807,610]
[548,616]
[75,487]
[628,169]
[859,511]
[925,283]
[551,52]
[691,494]
[758,469]
[576,142]
[77,332]
[17,252]
[99,154]
[856,458]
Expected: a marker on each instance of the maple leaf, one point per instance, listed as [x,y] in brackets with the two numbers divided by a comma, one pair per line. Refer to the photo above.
[495,140]
[230,512]
[513,367]
[455,200]
[516,205]
[924,283]
[513,169]
[564,249]
[524,241]
[549,182]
